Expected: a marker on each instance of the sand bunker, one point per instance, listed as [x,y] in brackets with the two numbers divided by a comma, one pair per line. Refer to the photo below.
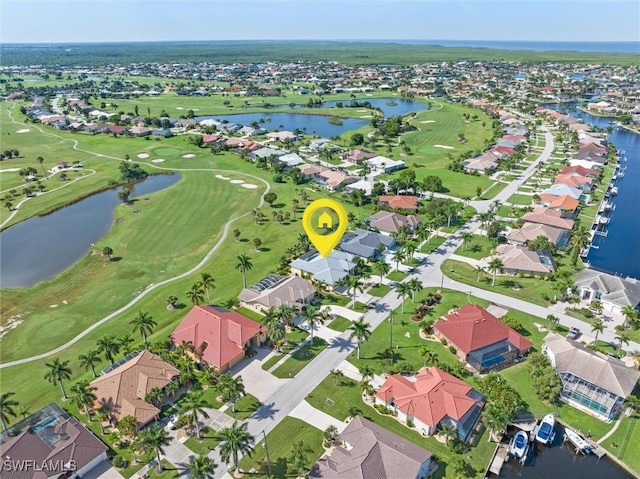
[366,116]
[157,160]
[179,108]
[53,305]
[444,146]
[142,155]
[369,94]
[361,111]
[24,130]
[249,186]
[428,121]
[189,155]
[222,177]
[9,170]
[237,182]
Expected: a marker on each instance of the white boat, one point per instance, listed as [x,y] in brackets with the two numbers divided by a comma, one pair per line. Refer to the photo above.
[604,220]
[519,445]
[544,431]
[578,441]
[614,190]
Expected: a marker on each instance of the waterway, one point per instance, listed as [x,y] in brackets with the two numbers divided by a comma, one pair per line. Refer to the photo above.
[318,124]
[561,462]
[41,247]
[619,251]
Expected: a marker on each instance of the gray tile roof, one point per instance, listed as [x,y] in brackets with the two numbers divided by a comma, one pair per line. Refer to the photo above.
[619,291]
[364,243]
[603,371]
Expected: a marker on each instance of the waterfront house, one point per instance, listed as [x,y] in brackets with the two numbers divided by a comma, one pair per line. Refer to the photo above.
[431,399]
[612,291]
[389,222]
[399,202]
[530,231]
[580,170]
[548,216]
[565,204]
[50,438]
[563,190]
[219,337]
[591,381]
[518,259]
[480,339]
[125,385]
[273,291]
[366,450]
[366,244]
[329,270]
[584,183]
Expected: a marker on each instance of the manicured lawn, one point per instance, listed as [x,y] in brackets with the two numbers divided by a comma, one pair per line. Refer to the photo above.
[432,245]
[477,247]
[280,444]
[294,337]
[329,298]
[245,407]
[396,276]
[339,324]
[493,191]
[379,290]
[204,445]
[300,358]
[467,214]
[519,199]
[249,313]
[169,471]
[624,442]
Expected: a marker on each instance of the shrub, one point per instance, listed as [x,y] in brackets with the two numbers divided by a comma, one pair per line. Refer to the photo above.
[119,462]
[410,422]
[444,341]
[382,409]
[587,313]
[452,349]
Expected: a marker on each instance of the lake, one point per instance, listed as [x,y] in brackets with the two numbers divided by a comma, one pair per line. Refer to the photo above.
[318,124]
[41,247]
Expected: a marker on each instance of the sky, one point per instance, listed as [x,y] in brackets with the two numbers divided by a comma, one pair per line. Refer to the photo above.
[37,21]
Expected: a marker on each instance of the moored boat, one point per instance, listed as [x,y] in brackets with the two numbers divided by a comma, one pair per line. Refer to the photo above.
[578,441]
[519,445]
[544,431]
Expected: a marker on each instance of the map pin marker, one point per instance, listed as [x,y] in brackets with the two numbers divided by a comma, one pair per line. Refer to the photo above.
[325,222]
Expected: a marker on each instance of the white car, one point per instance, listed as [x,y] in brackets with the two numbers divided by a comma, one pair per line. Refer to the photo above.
[173,420]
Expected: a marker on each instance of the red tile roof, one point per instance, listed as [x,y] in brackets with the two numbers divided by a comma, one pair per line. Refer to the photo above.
[565,203]
[223,331]
[400,201]
[472,327]
[579,170]
[573,180]
[548,216]
[431,397]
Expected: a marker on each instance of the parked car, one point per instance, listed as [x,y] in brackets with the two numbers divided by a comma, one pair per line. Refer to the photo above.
[573,333]
[173,420]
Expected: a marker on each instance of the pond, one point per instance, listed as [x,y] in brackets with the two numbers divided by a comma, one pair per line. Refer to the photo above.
[43,246]
[318,124]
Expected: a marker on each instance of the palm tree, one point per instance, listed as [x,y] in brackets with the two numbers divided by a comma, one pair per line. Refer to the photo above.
[41,161]
[597,326]
[404,291]
[83,396]
[195,294]
[361,331]
[623,338]
[579,240]
[244,265]
[276,332]
[109,346]
[478,270]
[353,411]
[465,237]
[89,360]
[495,417]
[108,252]
[104,413]
[154,438]
[23,411]
[398,255]
[201,467]
[496,266]
[416,285]
[235,440]
[57,372]
[428,356]
[448,431]
[351,282]
[143,323]
[232,389]
[193,405]
[630,314]
[381,268]
[366,372]
[207,283]
[311,314]
[552,319]
[6,408]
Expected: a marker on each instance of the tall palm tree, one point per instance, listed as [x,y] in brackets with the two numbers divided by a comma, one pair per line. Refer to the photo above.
[448,431]
[108,344]
[154,439]
[361,331]
[552,319]
[201,467]
[579,240]
[404,291]
[244,265]
[416,285]
[381,268]
[630,314]
[398,255]
[496,266]
[276,332]
[57,372]
[428,356]
[495,417]
[478,270]
[143,323]
[366,372]
[193,405]
[351,282]
[235,440]
[207,283]
[623,338]
[83,396]
[6,408]
[104,414]
[41,161]
[89,360]
[195,294]
[465,236]
[597,326]
[311,314]
[232,389]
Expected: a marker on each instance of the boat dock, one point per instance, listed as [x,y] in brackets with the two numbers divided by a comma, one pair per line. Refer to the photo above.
[499,458]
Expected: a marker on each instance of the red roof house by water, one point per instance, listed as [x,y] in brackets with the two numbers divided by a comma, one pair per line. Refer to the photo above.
[481,339]
[432,398]
[219,336]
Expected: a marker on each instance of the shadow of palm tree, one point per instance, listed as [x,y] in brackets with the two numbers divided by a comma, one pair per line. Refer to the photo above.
[342,344]
[266,411]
